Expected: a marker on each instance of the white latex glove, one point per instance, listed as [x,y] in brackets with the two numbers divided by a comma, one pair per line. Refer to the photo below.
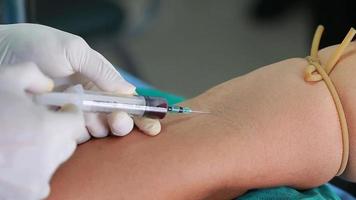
[34,141]
[66,57]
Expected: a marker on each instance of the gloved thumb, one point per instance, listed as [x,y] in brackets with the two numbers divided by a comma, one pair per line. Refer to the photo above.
[97,68]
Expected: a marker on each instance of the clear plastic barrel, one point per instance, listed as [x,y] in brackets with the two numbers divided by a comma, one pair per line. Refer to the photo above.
[90,101]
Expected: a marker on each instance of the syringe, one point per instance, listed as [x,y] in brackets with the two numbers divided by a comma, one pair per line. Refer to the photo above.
[93,101]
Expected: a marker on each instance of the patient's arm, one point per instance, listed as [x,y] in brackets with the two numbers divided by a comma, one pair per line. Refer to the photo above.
[267,128]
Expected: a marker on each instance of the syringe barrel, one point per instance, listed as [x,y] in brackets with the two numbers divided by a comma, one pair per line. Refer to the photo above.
[152,107]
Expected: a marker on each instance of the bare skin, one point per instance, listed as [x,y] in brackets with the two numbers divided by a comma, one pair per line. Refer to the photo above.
[267,128]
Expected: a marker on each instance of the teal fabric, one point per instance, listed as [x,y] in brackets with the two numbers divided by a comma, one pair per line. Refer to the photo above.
[279,193]
[286,193]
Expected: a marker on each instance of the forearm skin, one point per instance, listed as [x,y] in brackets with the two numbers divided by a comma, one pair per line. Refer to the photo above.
[267,128]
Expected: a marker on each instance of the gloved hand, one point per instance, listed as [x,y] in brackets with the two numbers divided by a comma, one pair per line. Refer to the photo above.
[34,141]
[68,59]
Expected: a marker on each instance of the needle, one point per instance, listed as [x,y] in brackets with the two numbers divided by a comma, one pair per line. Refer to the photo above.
[184,110]
[200,112]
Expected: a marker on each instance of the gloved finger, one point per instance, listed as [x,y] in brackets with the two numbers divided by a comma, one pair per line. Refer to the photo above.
[149,126]
[96,124]
[120,123]
[95,67]
[71,120]
[104,75]
[28,77]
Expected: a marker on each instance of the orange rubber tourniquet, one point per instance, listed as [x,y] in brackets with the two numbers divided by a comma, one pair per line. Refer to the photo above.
[316,72]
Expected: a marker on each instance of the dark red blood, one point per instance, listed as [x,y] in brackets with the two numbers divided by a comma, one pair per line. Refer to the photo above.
[156,102]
